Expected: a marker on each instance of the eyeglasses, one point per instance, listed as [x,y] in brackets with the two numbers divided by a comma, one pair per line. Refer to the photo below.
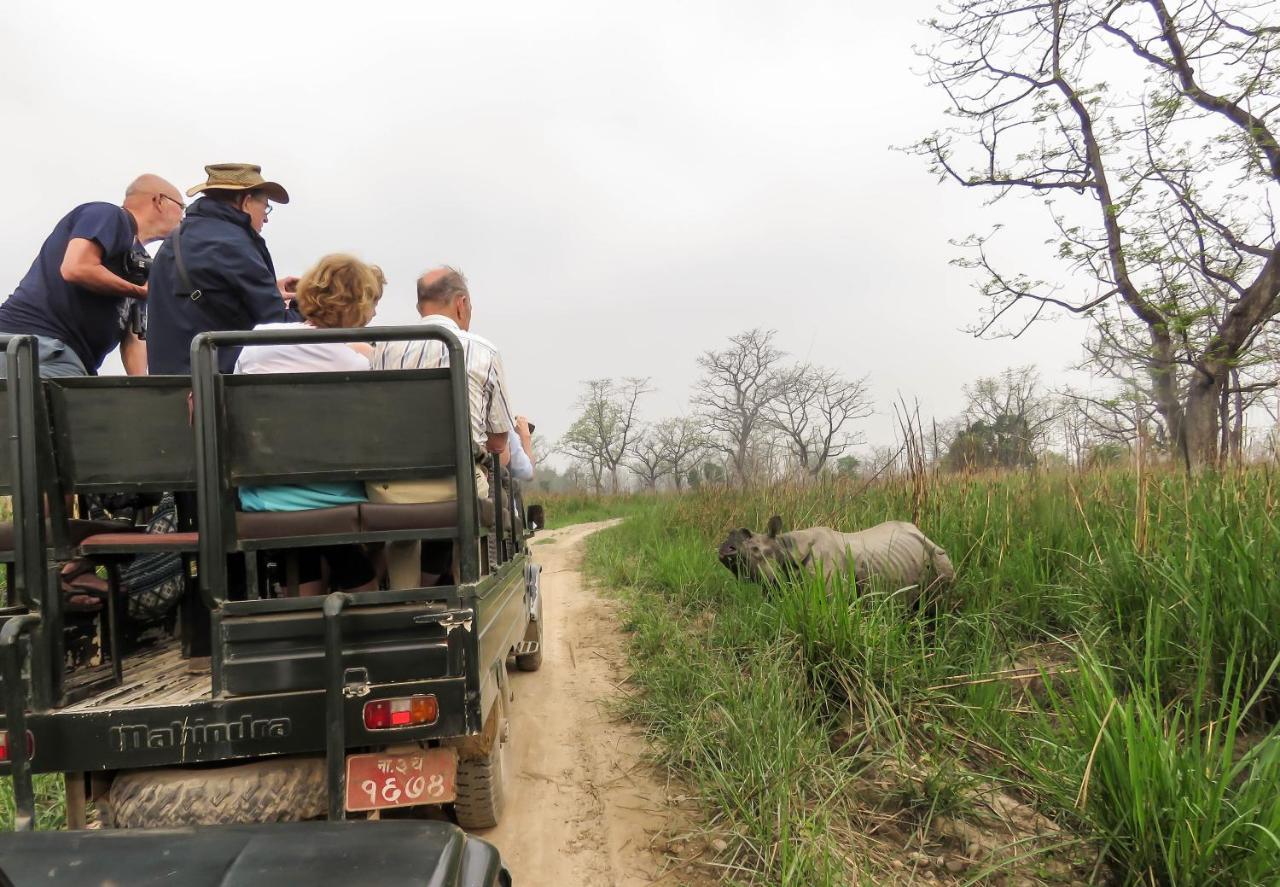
[182,206]
[267,211]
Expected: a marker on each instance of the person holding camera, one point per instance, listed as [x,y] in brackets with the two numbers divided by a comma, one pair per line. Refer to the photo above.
[82,288]
[215,271]
[518,456]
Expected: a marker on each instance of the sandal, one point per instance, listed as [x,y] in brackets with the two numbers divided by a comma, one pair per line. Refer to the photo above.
[80,603]
[83,590]
[90,582]
[72,569]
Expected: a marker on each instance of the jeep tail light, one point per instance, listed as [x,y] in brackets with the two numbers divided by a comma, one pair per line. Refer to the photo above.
[4,745]
[410,711]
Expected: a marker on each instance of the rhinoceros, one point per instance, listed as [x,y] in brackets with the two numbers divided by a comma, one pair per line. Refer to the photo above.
[894,552]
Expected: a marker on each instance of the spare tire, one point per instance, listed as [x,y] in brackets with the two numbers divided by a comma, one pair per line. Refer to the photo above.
[273,790]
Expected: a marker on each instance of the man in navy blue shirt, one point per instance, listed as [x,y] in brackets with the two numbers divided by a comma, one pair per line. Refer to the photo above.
[230,279]
[76,298]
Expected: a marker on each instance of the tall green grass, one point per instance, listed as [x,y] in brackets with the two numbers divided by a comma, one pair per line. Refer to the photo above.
[51,798]
[1151,604]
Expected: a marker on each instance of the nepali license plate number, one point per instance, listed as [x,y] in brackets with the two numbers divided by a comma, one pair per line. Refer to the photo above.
[402,779]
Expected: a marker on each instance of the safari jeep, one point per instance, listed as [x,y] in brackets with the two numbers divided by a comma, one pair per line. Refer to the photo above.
[249,704]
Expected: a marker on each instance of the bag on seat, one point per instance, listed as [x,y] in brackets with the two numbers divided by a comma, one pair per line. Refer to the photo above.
[153,582]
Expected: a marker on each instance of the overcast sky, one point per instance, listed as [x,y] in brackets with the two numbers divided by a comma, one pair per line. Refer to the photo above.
[624,186]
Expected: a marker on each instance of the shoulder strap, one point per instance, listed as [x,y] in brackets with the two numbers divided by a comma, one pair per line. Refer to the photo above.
[183,277]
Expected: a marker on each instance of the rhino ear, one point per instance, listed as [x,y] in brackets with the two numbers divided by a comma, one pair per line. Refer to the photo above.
[775,526]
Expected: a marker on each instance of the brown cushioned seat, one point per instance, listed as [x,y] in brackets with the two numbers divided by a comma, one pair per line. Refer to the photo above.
[378,517]
[79,530]
[128,543]
[311,522]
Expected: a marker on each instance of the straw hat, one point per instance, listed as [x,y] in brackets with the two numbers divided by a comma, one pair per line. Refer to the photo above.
[239,177]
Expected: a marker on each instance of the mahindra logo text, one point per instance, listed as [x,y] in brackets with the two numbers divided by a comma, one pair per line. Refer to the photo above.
[136,737]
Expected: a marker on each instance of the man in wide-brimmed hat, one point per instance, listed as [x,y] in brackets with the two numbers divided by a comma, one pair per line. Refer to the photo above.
[215,272]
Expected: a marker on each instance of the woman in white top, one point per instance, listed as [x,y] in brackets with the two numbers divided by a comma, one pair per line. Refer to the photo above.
[339,292]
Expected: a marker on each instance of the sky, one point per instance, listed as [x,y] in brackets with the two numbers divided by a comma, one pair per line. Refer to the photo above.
[625,186]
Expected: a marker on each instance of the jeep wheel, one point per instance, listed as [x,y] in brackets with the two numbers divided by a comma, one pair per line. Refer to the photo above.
[482,781]
[275,790]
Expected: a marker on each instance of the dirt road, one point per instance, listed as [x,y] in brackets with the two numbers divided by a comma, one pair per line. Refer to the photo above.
[585,810]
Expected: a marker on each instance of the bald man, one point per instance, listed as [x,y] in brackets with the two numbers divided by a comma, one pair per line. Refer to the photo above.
[90,273]
[444,299]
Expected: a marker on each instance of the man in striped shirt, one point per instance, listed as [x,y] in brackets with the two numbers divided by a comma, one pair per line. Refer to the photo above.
[443,299]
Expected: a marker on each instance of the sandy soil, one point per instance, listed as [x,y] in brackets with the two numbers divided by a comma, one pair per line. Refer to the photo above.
[585,808]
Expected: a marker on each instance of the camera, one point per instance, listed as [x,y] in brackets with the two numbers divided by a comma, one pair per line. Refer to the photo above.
[137,267]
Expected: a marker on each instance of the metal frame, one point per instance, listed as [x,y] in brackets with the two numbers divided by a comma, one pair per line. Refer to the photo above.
[22,381]
[15,720]
[216,508]
[22,394]
[77,468]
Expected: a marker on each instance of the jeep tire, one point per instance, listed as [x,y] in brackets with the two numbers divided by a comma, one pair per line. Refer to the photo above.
[273,790]
[483,778]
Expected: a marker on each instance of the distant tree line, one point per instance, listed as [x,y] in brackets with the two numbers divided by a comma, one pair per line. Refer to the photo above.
[753,416]
[756,417]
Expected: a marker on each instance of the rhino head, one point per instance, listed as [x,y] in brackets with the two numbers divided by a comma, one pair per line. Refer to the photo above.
[761,557]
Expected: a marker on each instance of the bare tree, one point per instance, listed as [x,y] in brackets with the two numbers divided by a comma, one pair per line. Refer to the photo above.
[811,409]
[626,399]
[768,456]
[649,458]
[1092,420]
[737,386]
[884,460]
[1160,182]
[684,443]
[1016,398]
[540,446]
[584,444]
[575,477]
[603,435]
[1007,420]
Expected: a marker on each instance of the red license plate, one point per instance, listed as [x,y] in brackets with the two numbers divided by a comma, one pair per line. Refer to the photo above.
[402,779]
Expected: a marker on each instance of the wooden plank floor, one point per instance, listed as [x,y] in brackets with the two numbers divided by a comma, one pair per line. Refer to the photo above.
[155,677]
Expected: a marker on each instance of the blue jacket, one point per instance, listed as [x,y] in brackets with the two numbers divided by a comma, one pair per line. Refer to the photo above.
[228,262]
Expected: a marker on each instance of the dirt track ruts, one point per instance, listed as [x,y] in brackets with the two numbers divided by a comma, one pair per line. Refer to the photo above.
[585,808]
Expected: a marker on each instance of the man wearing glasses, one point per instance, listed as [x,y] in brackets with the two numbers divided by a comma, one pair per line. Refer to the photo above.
[214,272]
[91,272]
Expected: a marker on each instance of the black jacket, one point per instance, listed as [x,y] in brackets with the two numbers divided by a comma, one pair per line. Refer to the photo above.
[229,264]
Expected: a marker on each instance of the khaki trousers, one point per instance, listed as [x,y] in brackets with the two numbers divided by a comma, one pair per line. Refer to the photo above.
[404,558]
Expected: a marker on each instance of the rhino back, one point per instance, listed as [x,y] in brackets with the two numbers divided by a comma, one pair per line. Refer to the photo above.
[818,547]
[894,550]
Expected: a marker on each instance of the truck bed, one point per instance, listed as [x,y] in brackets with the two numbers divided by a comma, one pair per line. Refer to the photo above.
[153,677]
